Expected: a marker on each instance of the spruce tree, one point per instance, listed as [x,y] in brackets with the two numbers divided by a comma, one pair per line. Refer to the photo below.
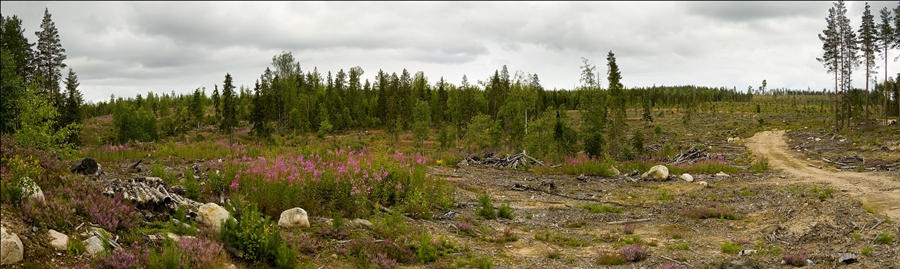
[216,105]
[617,104]
[71,113]
[886,38]
[229,113]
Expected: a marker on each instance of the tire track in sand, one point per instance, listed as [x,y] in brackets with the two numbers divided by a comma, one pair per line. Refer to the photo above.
[880,192]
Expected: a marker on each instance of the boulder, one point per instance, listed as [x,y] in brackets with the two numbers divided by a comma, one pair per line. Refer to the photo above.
[294,217]
[11,249]
[60,241]
[85,166]
[32,191]
[658,172]
[94,245]
[213,215]
[686,177]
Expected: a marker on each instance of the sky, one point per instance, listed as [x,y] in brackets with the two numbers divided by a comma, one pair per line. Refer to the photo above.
[130,48]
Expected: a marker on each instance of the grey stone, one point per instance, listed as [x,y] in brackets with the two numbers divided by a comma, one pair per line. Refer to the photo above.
[658,172]
[213,215]
[847,258]
[60,241]
[11,249]
[94,245]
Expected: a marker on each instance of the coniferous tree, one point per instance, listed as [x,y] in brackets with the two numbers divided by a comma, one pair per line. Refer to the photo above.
[71,113]
[886,38]
[849,58]
[868,38]
[229,113]
[49,59]
[196,107]
[216,105]
[617,104]
[21,52]
[831,55]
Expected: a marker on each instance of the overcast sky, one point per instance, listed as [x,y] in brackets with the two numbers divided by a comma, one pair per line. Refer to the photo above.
[126,48]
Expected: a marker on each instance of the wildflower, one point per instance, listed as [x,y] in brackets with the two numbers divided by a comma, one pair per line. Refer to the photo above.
[234,184]
[399,186]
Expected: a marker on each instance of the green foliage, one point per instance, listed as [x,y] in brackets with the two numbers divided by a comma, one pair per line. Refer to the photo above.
[424,250]
[598,208]
[229,106]
[867,250]
[731,248]
[482,133]
[594,145]
[15,188]
[76,247]
[485,207]
[191,185]
[746,193]
[505,212]
[884,238]
[134,124]
[256,237]
[610,258]
[637,142]
[37,121]
[422,123]
[664,195]
[760,165]
[445,138]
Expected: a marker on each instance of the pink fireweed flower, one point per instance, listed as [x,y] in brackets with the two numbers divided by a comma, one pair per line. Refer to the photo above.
[399,186]
[234,184]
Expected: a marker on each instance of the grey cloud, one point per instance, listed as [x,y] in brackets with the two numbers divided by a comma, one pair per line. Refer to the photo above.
[733,11]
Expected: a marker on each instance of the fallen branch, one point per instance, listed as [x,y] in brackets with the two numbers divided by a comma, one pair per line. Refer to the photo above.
[629,221]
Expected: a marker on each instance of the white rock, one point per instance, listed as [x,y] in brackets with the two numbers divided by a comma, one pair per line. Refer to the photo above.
[722,174]
[615,171]
[11,249]
[94,245]
[60,241]
[32,191]
[687,177]
[703,183]
[658,172]
[294,217]
[213,215]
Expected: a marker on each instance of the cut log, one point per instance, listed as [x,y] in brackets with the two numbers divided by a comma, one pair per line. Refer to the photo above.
[629,221]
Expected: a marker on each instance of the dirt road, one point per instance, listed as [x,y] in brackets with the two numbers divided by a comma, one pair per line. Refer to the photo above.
[880,193]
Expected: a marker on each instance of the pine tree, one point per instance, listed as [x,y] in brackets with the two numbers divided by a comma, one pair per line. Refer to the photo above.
[849,58]
[49,59]
[229,113]
[830,58]
[868,39]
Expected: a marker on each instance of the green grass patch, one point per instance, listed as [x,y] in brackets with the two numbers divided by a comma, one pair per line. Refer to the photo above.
[600,208]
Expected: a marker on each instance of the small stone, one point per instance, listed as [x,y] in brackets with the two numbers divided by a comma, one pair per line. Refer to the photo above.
[294,217]
[60,241]
[93,245]
[687,177]
[847,258]
[746,252]
[722,174]
[810,263]
[703,183]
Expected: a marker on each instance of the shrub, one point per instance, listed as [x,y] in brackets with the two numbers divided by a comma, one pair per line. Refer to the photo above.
[54,213]
[125,258]
[760,165]
[731,248]
[382,254]
[256,237]
[885,238]
[485,207]
[797,258]
[505,212]
[425,252]
[634,253]
[664,196]
[191,185]
[610,258]
[867,250]
[628,229]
